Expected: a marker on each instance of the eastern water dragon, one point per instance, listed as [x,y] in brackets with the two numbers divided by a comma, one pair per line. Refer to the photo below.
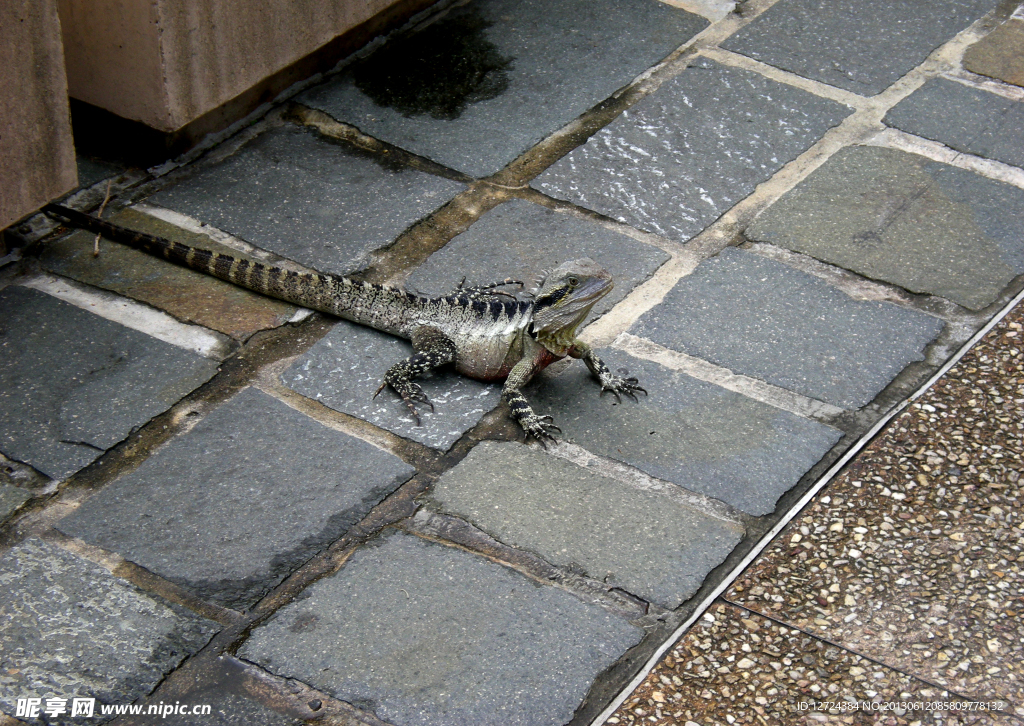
[488,335]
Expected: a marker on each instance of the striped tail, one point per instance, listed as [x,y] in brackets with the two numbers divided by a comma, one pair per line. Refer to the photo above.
[378,306]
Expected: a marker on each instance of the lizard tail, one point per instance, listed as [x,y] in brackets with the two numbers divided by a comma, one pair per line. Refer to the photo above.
[379,306]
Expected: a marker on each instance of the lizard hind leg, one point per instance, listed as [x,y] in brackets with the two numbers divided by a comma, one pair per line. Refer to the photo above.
[433,349]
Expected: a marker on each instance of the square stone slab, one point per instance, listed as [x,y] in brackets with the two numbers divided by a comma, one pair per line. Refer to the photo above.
[488,80]
[646,541]
[860,45]
[11,499]
[764,319]
[694,434]
[904,219]
[998,54]
[73,384]
[187,295]
[346,367]
[424,634]
[964,118]
[521,240]
[230,508]
[678,159]
[69,629]
[321,204]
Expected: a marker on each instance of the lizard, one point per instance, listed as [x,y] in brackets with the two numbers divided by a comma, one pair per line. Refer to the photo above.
[487,334]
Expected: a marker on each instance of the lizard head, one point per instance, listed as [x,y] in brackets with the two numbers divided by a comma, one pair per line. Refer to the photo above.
[564,301]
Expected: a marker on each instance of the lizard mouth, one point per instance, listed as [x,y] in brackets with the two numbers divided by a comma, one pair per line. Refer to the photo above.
[593,290]
[567,314]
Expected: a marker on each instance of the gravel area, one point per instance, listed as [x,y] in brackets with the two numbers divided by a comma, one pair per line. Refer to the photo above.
[736,667]
[911,557]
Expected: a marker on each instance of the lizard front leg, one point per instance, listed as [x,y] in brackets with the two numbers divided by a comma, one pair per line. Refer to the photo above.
[539,427]
[433,349]
[609,381]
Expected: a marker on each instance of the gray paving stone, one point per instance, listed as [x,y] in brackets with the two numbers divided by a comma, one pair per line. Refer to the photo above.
[521,240]
[860,45]
[91,171]
[678,159]
[998,55]
[764,319]
[648,542]
[964,118]
[697,435]
[73,384]
[426,634]
[904,219]
[68,628]
[311,201]
[189,512]
[191,297]
[345,368]
[490,79]
[11,499]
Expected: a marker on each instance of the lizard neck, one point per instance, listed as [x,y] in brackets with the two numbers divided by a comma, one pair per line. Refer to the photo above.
[557,342]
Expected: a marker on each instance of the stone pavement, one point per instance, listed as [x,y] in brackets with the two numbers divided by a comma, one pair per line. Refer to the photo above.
[900,582]
[807,208]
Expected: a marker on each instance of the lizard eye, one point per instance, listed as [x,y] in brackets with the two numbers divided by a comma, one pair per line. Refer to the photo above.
[574,281]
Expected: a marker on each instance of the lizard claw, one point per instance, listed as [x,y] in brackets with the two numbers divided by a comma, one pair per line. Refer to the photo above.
[541,428]
[626,386]
[411,394]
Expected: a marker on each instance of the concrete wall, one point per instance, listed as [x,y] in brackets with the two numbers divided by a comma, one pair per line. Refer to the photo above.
[37,155]
[168,62]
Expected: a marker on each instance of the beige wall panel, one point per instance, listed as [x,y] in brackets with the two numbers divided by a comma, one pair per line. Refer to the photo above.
[216,49]
[37,155]
[167,62]
[113,57]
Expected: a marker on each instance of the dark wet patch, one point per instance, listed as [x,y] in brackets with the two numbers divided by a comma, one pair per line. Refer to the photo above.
[439,70]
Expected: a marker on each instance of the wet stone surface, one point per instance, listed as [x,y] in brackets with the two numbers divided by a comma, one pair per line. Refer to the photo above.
[92,170]
[422,634]
[913,555]
[73,384]
[224,686]
[904,219]
[963,118]
[346,367]
[521,240]
[188,512]
[189,296]
[68,628]
[679,158]
[736,667]
[998,55]
[647,542]
[489,79]
[860,45]
[314,202]
[788,328]
[694,434]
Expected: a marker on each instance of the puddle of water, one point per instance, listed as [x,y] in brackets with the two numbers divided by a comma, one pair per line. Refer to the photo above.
[439,70]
